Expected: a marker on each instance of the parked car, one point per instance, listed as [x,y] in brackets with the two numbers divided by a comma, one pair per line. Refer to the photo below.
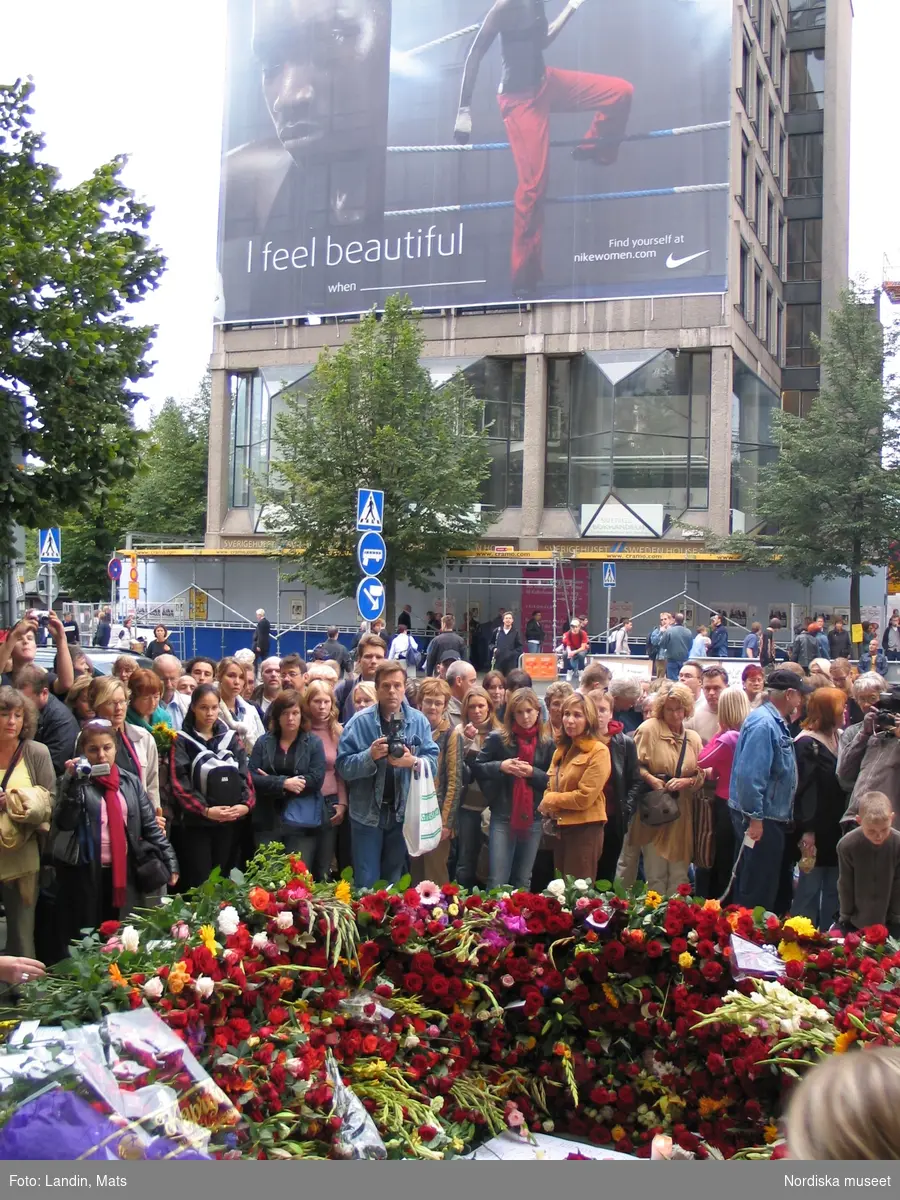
[101,660]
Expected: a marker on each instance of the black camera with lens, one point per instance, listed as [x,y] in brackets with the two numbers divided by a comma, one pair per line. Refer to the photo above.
[394,735]
[887,710]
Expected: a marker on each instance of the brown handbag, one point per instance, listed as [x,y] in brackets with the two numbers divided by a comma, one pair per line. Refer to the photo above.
[657,808]
[705,826]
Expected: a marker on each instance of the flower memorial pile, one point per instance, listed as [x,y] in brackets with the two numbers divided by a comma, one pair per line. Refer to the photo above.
[608,1016]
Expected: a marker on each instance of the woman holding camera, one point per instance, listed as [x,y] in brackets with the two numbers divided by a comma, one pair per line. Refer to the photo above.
[211,815]
[136,751]
[109,852]
[27,786]
[668,760]
[288,769]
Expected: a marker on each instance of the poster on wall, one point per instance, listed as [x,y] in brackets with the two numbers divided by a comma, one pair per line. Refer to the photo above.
[778,612]
[472,154]
[620,610]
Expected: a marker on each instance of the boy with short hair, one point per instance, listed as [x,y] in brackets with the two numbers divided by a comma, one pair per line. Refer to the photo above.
[869,868]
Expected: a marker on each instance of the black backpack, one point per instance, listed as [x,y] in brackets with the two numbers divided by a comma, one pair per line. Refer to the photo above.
[215,774]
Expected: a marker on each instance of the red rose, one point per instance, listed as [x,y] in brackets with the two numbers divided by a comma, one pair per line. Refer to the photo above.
[413,983]
[875,935]
[654,949]
[711,970]
[369,1043]
[684,889]
[626,1096]
[716,1064]
[411,898]
[108,928]
[438,985]
[794,970]
[400,936]
[427,1133]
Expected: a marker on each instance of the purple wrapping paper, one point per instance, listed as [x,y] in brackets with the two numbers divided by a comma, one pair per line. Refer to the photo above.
[749,961]
[61,1126]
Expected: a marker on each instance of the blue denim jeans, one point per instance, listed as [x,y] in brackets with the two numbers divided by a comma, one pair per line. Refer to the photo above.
[816,897]
[468,847]
[576,663]
[379,851]
[511,858]
[672,669]
[759,871]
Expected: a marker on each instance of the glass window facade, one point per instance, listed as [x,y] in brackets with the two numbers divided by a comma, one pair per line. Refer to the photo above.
[806,14]
[752,443]
[804,252]
[805,151]
[798,403]
[643,431]
[499,383]
[802,321]
[257,398]
[807,80]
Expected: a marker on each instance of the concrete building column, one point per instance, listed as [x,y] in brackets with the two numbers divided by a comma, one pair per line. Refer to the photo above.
[219,453]
[535,443]
[720,440]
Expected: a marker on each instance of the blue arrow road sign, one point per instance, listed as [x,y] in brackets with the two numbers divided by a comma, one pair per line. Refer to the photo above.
[609,574]
[370,598]
[369,510]
[50,546]
[371,553]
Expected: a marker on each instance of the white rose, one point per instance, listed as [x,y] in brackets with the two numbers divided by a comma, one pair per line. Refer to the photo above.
[557,887]
[130,939]
[203,986]
[153,988]
[259,941]
[581,885]
[285,920]
[229,921]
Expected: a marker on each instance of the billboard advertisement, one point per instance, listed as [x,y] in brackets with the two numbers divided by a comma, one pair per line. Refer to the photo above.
[472,154]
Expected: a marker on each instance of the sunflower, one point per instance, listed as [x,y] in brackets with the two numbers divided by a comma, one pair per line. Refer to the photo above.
[342,891]
[653,899]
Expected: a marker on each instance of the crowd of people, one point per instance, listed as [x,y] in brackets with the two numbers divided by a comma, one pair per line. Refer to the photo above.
[779,790]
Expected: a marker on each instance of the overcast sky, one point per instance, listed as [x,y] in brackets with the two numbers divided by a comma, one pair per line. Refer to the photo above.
[146,80]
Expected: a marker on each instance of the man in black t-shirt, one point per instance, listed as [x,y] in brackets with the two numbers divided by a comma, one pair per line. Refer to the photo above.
[445,642]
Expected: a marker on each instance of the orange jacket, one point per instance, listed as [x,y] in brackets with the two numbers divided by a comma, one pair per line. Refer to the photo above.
[578,775]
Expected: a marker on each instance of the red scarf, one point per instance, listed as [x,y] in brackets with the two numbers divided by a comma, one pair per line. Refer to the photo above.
[132,753]
[522,817]
[118,841]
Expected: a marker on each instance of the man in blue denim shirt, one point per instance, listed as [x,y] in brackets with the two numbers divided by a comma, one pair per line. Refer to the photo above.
[378,784]
[763,782]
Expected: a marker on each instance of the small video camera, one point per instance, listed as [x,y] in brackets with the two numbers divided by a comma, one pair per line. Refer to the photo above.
[84,770]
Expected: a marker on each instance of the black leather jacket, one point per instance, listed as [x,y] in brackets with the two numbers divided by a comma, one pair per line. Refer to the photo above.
[496,786]
[626,780]
[141,820]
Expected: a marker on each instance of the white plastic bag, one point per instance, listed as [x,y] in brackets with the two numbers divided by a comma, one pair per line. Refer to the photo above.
[422,823]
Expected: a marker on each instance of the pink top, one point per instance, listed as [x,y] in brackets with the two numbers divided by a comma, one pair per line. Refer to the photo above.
[719,755]
[105,850]
[333,785]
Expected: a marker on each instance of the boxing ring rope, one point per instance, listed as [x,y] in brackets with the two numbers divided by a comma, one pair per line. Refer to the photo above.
[597,196]
[631,137]
[448,37]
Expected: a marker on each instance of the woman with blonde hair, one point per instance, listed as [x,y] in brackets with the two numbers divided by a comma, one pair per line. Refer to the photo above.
[667,757]
[556,695]
[77,698]
[716,758]
[512,769]
[124,667]
[846,1108]
[320,713]
[479,719]
[575,797]
[27,787]
[819,804]
[234,710]
[136,750]
[364,695]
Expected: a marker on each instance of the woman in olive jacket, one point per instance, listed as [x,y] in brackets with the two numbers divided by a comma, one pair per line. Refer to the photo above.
[512,771]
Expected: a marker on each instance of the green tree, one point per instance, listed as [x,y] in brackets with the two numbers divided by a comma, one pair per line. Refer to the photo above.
[831,501]
[374,418]
[168,497]
[89,541]
[72,260]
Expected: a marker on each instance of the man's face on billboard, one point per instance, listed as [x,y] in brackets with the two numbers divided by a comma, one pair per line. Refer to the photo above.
[321,63]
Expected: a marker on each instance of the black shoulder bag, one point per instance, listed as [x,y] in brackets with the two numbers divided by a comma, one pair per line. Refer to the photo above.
[657,808]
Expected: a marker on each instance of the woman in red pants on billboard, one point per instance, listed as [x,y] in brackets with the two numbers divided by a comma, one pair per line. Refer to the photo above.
[529,93]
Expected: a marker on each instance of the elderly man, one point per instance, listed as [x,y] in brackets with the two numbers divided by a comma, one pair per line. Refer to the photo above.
[168,669]
[869,755]
[261,635]
[625,692]
[461,677]
[268,689]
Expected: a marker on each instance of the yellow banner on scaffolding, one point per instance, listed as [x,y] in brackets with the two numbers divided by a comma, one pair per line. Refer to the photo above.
[198,605]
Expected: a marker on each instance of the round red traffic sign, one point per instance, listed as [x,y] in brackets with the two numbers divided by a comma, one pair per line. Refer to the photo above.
[114,569]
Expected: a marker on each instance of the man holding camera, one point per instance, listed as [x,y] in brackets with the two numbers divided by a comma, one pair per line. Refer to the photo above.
[379,749]
[869,760]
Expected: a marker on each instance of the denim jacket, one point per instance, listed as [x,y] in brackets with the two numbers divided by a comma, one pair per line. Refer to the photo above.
[365,776]
[764,771]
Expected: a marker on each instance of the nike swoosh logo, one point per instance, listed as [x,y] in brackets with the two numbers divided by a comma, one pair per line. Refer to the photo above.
[672,261]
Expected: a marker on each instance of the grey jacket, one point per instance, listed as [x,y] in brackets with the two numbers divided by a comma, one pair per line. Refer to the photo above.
[676,642]
[869,764]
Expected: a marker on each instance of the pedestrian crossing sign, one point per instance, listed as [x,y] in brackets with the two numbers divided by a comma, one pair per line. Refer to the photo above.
[609,574]
[369,510]
[49,546]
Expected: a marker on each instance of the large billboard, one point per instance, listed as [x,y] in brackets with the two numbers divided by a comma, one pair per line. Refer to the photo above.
[472,155]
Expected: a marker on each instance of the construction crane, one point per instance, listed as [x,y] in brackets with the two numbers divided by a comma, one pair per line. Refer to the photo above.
[890,285]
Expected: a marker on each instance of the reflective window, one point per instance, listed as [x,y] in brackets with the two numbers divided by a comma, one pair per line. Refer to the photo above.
[807,80]
[249,434]
[804,249]
[806,14]
[803,320]
[805,152]
[499,383]
[744,280]
[752,445]
[798,403]
[640,428]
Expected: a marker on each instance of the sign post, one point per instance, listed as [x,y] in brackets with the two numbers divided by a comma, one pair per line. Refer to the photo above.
[371,553]
[609,582]
[50,554]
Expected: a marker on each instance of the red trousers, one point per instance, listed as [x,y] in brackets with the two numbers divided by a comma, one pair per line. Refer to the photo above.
[528,127]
